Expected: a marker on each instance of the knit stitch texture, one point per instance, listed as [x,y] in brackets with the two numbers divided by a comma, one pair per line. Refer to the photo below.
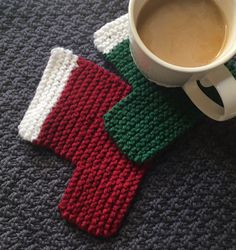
[151,117]
[66,116]
[186,201]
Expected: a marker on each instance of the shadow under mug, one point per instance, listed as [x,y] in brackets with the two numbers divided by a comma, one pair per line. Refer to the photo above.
[214,74]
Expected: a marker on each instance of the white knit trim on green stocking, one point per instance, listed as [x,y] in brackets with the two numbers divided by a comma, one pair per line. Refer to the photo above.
[111,34]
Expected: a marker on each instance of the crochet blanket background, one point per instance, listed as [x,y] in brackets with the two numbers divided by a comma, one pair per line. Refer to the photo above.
[191,188]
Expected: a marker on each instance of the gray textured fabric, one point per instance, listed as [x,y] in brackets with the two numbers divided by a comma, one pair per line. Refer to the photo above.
[188,200]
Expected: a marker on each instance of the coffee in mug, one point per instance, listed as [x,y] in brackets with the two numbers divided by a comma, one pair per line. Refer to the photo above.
[188,33]
[179,43]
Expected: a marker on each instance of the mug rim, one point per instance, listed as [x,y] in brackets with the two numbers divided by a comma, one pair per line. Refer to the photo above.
[156,59]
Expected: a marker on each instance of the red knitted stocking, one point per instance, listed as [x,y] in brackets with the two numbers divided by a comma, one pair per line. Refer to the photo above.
[104,181]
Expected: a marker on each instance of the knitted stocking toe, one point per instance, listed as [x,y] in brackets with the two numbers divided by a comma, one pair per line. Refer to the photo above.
[66,115]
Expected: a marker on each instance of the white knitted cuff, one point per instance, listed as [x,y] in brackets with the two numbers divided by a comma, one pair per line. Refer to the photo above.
[111,34]
[54,79]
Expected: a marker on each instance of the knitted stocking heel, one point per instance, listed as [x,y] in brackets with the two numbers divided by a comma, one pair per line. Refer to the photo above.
[151,117]
[66,115]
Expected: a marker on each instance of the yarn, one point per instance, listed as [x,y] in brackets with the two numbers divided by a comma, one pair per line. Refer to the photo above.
[72,98]
[151,117]
[186,202]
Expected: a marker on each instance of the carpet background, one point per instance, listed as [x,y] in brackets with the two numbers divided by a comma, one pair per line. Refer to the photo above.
[188,199]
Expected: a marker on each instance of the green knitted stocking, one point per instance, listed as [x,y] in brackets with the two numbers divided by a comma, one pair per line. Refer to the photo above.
[151,117]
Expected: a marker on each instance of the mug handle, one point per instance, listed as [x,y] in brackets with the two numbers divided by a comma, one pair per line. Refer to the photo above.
[224,82]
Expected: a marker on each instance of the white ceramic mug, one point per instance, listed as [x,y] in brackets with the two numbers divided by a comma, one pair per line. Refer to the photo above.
[169,75]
